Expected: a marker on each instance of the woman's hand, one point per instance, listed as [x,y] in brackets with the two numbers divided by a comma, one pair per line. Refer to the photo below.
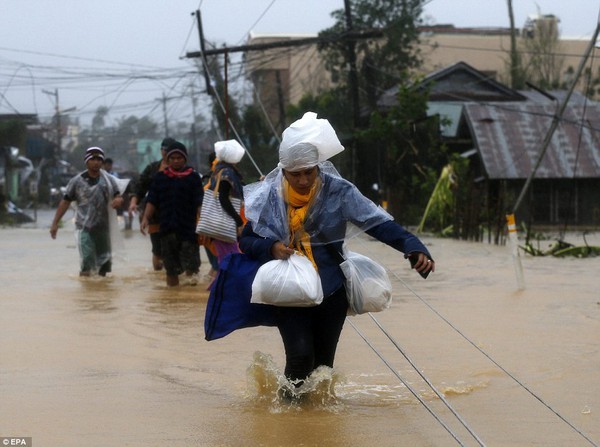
[280,251]
[421,263]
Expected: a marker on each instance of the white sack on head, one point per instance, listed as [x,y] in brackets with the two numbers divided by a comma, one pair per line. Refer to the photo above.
[229,151]
[297,148]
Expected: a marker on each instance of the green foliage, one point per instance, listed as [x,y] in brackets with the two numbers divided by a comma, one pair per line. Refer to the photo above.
[226,110]
[398,150]
[118,141]
[408,152]
[13,133]
[99,119]
[381,61]
[332,104]
[541,59]
[592,82]
[262,144]
[439,214]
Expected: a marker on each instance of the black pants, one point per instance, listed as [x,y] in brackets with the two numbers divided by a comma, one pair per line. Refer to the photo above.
[310,334]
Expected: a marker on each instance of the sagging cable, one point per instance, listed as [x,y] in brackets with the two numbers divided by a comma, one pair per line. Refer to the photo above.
[504,370]
[489,357]
[433,388]
[414,393]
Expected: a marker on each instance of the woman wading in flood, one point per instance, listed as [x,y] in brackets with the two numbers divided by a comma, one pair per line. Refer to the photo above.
[304,205]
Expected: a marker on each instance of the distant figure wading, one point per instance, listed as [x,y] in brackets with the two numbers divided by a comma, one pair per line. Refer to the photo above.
[95,191]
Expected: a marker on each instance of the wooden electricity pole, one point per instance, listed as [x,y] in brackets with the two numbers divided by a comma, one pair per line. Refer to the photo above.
[349,37]
[353,86]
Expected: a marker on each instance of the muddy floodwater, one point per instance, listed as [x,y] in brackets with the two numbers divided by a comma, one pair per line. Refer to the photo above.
[122,361]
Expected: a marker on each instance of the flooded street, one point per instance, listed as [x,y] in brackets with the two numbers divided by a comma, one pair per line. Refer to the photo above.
[123,360]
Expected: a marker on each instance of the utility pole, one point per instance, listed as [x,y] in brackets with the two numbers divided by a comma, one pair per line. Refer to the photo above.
[226,94]
[510,218]
[515,60]
[57,122]
[195,148]
[347,36]
[203,52]
[353,76]
[280,101]
[352,83]
[557,117]
[164,100]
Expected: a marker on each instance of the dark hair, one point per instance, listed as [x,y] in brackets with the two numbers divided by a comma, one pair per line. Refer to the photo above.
[108,161]
[167,142]
[178,147]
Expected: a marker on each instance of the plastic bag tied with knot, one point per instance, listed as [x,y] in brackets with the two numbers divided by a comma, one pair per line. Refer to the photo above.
[292,282]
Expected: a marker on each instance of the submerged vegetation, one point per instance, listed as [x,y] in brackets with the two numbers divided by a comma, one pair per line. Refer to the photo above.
[559,248]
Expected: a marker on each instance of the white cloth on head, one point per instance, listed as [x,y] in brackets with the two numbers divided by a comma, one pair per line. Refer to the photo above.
[307,142]
[229,151]
[338,210]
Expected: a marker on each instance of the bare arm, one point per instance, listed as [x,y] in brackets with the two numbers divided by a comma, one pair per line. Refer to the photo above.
[133,203]
[148,213]
[63,206]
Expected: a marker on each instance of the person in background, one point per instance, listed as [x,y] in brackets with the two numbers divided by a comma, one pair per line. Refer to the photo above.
[304,205]
[206,241]
[228,180]
[138,201]
[94,191]
[108,167]
[176,192]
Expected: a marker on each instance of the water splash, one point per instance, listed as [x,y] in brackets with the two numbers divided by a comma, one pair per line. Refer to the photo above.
[267,384]
[462,388]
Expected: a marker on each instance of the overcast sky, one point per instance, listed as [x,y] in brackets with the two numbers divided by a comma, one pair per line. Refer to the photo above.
[128,54]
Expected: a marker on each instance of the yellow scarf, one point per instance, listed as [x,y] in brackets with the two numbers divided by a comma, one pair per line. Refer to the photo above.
[299,204]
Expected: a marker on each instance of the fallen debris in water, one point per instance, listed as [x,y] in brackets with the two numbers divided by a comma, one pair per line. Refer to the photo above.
[562,249]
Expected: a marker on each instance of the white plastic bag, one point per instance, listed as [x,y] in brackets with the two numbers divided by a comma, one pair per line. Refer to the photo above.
[311,130]
[293,282]
[367,284]
[229,151]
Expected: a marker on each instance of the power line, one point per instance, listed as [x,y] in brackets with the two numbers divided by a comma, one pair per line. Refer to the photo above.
[288,43]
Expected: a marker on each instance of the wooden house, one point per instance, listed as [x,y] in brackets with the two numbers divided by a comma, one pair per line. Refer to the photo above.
[502,132]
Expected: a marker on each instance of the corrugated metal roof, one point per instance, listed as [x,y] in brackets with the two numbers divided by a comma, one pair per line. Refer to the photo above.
[576,98]
[509,138]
